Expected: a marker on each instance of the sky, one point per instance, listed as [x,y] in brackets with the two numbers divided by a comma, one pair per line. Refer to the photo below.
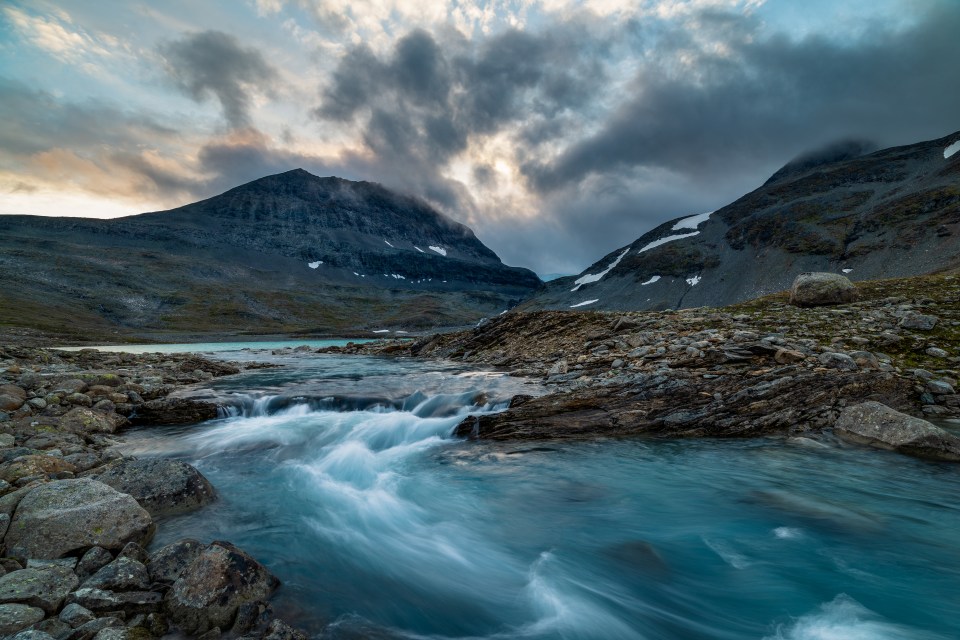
[557,130]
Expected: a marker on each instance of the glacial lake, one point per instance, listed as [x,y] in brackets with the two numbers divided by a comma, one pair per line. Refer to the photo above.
[341,475]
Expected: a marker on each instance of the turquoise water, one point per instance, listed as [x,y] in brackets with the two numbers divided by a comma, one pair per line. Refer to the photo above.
[340,474]
[215,347]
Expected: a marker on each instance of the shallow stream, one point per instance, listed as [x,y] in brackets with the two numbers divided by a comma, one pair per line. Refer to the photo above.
[340,474]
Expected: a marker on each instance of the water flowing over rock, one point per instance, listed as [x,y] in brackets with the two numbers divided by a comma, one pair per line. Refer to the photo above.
[815,289]
[877,425]
[68,515]
[162,487]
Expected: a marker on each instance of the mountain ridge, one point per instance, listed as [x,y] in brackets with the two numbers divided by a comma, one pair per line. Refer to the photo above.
[889,213]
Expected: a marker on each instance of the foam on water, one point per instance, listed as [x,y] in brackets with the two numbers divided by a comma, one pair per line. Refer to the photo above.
[843,618]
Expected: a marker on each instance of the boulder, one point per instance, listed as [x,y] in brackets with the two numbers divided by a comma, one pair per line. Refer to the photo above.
[918,321]
[92,561]
[75,615]
[813,289]
[12,397]
[45,588]
[17,617]
[123,574]
[174,411]
[213,587]
[85,421]
[130,602]
[162,487]
[837,361]
[32,634]
[33,465]
[167,563]
[88,630]
[877,425]
[65,516]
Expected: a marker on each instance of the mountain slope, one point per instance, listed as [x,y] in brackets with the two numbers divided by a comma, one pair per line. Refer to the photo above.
[286,253]
[891,213]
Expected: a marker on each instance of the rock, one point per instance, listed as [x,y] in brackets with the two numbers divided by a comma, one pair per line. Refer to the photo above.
[101,600]
[211,589]
[838,361]
[75,615]
[617,364]
[167,563]
[12,397]
[7,440]
[88,630]
[814,289]
[788,356]
[4,524]
[16,617]
[45,588]
[68,515]
[559,367]
[280,630]
[135,552]
[38,465]
[121,633]
[32,634]
[72,385]
[934,352]
[880,426]
[79,399]
[940,388]
[162,487]
[918,321]
[174,411]
[84,421]
[123,574]
[92,561]
[55,628]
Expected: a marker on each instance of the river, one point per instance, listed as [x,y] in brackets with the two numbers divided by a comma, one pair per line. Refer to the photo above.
[341,475]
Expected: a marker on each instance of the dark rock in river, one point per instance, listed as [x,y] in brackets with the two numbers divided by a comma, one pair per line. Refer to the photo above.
[210,591]
[166,564]
[877,425]
[174,411]
[162,487]
[57,518]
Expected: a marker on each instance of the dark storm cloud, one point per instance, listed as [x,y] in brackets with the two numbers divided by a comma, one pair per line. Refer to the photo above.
[215,64]
[771,98]
[419,106]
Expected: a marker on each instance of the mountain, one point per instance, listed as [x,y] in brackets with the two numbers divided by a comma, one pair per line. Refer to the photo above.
[287,253]
[889,213]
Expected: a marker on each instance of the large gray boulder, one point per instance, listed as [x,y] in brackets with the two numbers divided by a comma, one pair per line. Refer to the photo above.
[66,516]
[12,397]
[213,587]
[123,574]
[45,588]
[16,617]
[878,425]
[162,487]
[817,288]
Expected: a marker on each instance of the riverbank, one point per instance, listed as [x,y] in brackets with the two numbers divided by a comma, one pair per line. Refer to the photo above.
[760,368]
[76,515]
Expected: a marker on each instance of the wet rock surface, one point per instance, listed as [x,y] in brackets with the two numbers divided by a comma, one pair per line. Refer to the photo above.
[162,487]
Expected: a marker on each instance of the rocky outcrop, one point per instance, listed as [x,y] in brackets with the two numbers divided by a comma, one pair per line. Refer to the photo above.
[174,411]
[877,425]
[65,516]
[162,487]
[819,289]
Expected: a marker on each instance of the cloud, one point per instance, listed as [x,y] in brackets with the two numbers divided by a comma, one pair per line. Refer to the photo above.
[213,64]
[55,34]
[764,98]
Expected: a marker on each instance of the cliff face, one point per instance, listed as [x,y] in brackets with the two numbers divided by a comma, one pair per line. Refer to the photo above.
[891,213]
[288,252]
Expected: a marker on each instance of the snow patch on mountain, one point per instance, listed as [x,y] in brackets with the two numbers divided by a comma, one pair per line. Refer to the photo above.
[692,222]
[593,277]
[662,241]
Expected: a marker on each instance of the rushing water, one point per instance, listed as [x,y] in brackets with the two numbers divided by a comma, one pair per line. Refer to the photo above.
[341,475]
[216,347]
